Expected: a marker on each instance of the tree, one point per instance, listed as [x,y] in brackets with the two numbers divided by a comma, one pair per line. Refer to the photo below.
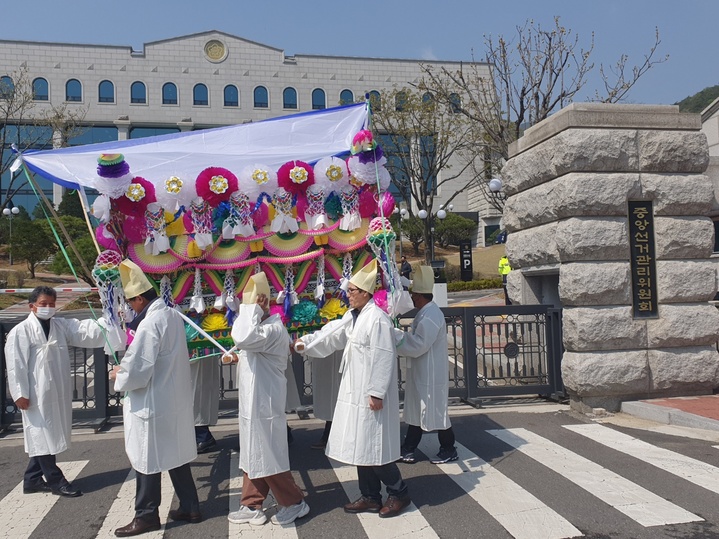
[31,243]
[88,252]
[523,81]
[412,229]
[71,205]
[453,229]
[428,147]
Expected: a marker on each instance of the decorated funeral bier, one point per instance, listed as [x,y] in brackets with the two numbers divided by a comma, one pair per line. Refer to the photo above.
[303,198]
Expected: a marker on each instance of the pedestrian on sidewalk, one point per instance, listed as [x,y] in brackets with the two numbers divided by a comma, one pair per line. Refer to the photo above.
[427,389]
[365,425]
[157,411]
[39,380]
[263,346]
[504,269]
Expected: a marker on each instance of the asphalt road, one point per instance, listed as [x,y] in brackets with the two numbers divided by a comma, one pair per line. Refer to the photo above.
[525,471]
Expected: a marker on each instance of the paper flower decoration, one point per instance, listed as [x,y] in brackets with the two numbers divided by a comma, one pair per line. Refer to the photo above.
[256,179]
[113,175]
[174,192]
[216,185]
[214,322]
[367,204]
[304,312]
[331,173]
[333,309]
[363,141]
[138,195]
[370,172]
[295,176]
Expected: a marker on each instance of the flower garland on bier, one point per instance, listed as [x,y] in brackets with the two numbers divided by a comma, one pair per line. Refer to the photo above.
[307,226]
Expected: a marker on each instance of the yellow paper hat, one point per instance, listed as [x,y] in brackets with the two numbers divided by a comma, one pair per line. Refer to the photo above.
[255,286]
[423,282]
[134,281]
[366,278]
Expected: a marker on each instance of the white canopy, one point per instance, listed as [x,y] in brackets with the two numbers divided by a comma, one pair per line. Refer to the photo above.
[307,137]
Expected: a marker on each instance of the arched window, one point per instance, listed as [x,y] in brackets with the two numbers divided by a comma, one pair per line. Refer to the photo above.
[318,99]
[455,103]
[169,93]
[232,96]
[106,92]
[73,90]
[262,98]
[138,92]
[289,98]
[375,100]
[200,95]
[427,98]
[346,97]
[7,87]
[40,90]
[400,101]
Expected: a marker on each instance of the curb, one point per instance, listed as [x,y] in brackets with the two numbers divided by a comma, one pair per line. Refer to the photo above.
[668,416]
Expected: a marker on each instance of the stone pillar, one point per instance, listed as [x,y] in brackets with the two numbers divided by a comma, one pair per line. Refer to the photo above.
[569,180]
[123,125]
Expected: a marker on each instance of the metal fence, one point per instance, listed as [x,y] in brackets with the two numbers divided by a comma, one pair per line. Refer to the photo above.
[493,351]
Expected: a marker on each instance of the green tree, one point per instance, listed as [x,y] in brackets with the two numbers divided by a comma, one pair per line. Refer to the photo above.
[454,229]
[31,243]
[71,205]
[86,247]
[412,229]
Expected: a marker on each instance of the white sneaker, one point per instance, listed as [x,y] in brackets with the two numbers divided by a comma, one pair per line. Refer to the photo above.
[287,515]
[256,517]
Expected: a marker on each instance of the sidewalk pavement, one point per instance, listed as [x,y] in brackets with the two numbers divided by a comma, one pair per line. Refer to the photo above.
[698,412]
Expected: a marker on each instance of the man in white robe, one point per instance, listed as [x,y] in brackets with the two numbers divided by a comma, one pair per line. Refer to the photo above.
[263,346]
[157,410]
[427,388]
[365,425]
[38,373]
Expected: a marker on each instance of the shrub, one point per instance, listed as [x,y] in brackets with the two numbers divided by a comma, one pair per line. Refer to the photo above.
[482,284]
[16,278]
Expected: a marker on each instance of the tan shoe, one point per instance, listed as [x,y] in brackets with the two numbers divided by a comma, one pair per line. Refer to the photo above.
[394,506]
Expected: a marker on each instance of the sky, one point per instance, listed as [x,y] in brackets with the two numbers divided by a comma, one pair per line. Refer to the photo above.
[410,29]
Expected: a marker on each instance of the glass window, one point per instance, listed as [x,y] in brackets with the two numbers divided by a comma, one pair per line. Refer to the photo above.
[106,92]
[261,98]
[40,90]
[455,103]
[375,100]
[169,94]
[7,87]
[73,90]
[400,101]
[318,99]
[92,135]
[200,96]
[232,96]
[142,132]
[138,92]
[289,98]
[346,97]
[427,98]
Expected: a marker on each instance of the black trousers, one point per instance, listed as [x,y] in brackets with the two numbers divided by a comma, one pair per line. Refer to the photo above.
[371,479]
[414,435]
[43,465]
[149,487]
[202,434]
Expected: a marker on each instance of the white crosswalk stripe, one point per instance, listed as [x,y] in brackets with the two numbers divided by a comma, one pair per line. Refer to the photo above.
[695,471]
[28,510]
[636,502]
[123,508]
[410,523]
[518,511]
[268,530]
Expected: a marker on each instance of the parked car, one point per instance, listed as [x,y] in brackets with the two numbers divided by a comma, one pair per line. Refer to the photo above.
[501,237]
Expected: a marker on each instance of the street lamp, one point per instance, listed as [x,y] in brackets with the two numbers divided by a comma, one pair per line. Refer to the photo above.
[441,215]
[10,213]
[495,189]
[402,215]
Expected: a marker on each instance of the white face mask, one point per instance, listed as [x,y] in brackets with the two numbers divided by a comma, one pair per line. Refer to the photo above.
[45,313]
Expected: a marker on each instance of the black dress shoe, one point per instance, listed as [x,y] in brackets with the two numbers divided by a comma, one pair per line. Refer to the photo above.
[137,527]
[206,447]
[187,516]
[38,487]
[68,491]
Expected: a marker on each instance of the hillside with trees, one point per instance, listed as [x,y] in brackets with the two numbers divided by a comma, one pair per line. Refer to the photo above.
[699,101]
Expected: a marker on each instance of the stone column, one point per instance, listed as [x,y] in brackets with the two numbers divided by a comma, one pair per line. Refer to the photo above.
[569,180]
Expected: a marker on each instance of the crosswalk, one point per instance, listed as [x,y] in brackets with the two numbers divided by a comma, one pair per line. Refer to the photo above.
[504,499]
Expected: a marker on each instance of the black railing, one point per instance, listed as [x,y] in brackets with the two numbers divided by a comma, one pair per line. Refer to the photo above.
[493,351]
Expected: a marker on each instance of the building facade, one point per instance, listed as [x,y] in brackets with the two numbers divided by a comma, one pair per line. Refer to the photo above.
[201,81]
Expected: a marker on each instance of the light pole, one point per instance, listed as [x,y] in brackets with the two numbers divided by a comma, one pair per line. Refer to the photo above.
[495,189]
[402,215]
[441,215]
[10,213]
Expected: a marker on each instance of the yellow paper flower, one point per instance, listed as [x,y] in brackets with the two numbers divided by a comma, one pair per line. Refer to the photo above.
[333,309]
[193,251]
[298,175]
[135,192]
[173,185]
[260,176]
[334,173]
[219,184]
[214,322]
